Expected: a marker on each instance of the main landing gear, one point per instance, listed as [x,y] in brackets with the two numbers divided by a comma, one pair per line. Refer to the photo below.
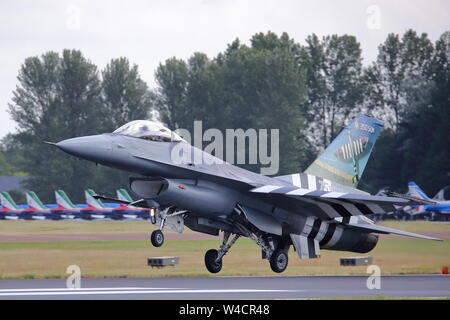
[274,251]
[278,261]
[213,258]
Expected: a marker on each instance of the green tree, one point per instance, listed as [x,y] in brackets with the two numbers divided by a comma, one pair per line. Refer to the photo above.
[261,86]
[172,79]
[402,67]
[5,168]
[56,98]
[416,148]
[125,94]
[126,98]
[334,86]
[427,133]
[10,156]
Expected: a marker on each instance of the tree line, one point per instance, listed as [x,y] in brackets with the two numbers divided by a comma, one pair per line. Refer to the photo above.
[308,91]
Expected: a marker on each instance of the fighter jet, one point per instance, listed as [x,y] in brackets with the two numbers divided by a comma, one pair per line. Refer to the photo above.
[318,209]
[68,210]
[13,211]
[41,211]
[115,210]
[438,211]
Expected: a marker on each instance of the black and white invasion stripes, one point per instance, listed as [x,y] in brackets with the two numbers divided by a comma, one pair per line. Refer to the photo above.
[308,181]
[332,204]
[316,234]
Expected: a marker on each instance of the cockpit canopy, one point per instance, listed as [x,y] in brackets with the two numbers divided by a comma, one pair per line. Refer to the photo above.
[148,130]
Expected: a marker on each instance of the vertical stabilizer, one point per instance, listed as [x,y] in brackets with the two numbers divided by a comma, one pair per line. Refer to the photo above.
[414,190]
[33,201]
[7,201]
[63,200]
[90,200]
[345,159]
[123,195]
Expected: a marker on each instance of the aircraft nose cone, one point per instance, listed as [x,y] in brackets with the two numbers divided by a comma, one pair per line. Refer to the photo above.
[94,148]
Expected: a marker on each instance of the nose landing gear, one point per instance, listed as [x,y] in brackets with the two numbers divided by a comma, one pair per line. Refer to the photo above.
[167,218]
[157,238]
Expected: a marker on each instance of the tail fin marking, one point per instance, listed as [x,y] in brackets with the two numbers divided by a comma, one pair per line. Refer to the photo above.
[345,159]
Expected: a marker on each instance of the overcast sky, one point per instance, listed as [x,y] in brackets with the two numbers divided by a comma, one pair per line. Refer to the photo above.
[149,32]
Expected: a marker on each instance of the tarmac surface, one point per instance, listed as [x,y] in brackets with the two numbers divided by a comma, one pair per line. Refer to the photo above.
[298,287]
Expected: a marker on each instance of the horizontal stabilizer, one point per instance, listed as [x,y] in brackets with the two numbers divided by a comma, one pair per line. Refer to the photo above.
[409,197]
[386,230]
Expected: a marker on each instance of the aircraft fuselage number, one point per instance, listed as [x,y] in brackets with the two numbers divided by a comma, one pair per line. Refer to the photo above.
[366,127]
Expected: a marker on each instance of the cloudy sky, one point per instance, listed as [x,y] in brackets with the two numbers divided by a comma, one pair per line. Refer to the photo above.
[148,32]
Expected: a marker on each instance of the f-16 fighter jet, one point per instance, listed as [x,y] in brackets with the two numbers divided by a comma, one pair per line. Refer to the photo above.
[318,209]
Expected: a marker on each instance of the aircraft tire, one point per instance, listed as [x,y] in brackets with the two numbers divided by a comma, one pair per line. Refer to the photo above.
[210,261]
[157,238]
[278,261]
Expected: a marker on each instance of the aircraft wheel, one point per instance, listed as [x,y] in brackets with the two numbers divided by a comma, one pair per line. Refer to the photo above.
[210,261]
[278,261]
[157,238]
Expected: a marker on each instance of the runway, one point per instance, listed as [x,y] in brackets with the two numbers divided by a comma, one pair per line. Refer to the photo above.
[301,287]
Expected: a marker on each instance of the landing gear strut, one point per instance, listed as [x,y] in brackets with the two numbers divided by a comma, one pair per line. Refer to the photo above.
[213,258]
[157,237]
[274,249]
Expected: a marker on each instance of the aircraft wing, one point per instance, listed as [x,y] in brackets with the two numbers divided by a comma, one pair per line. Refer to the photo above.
[345,208]
[330,204]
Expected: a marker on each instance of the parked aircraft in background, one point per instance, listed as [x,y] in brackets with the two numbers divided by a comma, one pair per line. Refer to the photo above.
[12,211]
[114,210]
[100,209]
[66,209]
[318,209]
[42,212]
[438,211]
[443,194]
[9,212]
[135,212]
[70,210]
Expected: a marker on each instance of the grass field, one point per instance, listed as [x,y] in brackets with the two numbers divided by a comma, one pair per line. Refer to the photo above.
[128,258]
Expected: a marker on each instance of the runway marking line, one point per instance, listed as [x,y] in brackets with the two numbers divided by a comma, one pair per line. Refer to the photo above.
[106,291]
[83,289]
